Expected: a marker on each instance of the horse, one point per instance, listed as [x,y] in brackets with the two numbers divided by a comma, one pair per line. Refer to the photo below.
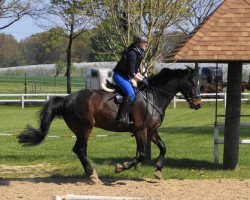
[211,87]
[245,86]
[86,109]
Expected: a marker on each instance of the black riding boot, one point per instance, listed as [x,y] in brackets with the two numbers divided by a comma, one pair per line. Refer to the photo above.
[122,118]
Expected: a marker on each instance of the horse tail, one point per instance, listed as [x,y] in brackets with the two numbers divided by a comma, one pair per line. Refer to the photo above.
[31,136]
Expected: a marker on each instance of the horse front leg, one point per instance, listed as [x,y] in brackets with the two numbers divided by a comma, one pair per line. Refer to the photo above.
[141,141]
[162,147]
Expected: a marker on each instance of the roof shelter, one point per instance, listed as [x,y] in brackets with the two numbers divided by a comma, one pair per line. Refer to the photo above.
[224,37]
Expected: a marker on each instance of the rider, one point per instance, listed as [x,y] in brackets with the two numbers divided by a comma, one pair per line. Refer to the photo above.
[126,74]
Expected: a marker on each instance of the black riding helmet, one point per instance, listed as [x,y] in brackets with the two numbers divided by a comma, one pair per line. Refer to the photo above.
[139,38]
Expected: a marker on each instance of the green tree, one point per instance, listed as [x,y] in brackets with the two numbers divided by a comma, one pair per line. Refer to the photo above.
[122,19]
[60,67]
[45,47]
[81,48]
[72,17]
[199,10]
[100,49]
[10,51]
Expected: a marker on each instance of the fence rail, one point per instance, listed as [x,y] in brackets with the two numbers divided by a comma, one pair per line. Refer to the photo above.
[210,97]
[218,141]
[22,98]
[25,98]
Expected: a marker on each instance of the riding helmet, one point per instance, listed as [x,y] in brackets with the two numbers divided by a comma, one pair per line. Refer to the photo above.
[140,38]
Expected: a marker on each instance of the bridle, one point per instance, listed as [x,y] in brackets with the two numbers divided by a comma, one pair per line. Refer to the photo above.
[189,97]
[192,98]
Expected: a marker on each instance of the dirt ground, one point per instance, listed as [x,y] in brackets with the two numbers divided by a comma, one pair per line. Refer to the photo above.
[44,188]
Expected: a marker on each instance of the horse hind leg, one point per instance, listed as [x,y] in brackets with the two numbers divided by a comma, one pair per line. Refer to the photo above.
[80,149]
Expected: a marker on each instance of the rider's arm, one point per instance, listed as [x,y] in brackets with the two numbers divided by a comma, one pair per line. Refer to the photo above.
[131,63]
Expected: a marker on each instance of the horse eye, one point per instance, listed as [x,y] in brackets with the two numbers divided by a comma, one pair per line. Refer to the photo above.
[193,81]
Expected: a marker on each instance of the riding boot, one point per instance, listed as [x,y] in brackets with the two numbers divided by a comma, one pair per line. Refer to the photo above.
[122,118]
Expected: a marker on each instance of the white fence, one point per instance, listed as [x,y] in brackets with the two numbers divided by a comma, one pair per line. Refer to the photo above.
[25,98]
[22,98]
[218,141]
[206,98]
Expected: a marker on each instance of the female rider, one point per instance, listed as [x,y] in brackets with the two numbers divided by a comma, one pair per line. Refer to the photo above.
[125,73]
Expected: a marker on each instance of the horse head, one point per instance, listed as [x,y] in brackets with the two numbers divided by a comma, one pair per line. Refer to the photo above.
[191,89]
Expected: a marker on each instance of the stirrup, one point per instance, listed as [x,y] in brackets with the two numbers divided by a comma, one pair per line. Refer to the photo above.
[123,122]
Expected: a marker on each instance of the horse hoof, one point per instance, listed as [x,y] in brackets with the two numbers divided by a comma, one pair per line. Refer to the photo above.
[158,174]
[119,168]
[94,179]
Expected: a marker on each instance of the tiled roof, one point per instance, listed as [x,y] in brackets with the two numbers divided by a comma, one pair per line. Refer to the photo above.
[224,36]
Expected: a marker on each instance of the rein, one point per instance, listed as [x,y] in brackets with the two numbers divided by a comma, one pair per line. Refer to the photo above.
[154,106]
[188,98]
[163,91]
[160,111]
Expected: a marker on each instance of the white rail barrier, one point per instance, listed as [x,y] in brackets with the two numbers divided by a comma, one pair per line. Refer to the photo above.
[218,141]
[84,197]
[22,98]
[223,98]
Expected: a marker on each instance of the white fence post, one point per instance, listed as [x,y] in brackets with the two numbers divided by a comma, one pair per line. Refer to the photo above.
[22,100]
[174,101]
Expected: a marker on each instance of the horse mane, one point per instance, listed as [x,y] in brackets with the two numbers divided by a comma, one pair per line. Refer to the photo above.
[166,74]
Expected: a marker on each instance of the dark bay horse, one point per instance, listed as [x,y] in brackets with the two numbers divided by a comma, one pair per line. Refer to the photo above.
[245,86]
[86,109]
[211,87]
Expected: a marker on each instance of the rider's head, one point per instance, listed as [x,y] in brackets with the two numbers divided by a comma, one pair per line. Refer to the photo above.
[141,41]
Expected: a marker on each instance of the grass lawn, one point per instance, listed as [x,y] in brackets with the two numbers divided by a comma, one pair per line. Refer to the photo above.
[39,84]
[187,133]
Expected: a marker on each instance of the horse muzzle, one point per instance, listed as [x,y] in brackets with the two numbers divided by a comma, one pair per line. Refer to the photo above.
[195,103]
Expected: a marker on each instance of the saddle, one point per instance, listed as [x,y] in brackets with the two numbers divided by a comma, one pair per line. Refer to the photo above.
[113,88]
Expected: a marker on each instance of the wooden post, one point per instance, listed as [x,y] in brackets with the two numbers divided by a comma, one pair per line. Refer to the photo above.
[232,120]
[25,83]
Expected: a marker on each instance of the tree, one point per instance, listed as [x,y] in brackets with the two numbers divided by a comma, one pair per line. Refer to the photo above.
[10,51]
[199,10]
[60,68]
[45,47]
[100,49]
[122,19]
[72,16]
[81,48]
[13,10]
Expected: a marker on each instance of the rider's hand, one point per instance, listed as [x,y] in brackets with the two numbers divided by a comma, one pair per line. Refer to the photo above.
[133,82]
[138,76]
[145,81]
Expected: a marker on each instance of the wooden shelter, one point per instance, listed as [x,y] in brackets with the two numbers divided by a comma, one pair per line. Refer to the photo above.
[224,37]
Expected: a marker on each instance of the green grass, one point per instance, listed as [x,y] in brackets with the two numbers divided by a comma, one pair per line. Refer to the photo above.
[39,84]
[187,133]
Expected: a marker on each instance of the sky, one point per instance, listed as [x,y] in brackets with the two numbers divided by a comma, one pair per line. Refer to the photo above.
[22,29]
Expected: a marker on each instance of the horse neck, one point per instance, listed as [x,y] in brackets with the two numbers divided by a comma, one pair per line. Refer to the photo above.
[164,93]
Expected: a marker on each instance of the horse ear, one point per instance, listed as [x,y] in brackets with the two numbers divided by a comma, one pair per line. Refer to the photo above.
[189,69]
